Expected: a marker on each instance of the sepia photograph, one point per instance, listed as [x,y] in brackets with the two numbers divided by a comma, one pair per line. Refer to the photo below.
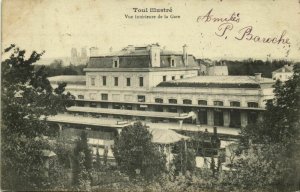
[150,95]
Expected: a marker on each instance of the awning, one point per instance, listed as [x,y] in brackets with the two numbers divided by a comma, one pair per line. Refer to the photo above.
[81,120]
[134,113]
[165,136]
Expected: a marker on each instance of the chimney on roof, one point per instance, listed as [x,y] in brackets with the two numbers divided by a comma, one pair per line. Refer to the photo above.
[130,48]
[283,68]
[185,55]
[155,55]
[94,51]
[257,76]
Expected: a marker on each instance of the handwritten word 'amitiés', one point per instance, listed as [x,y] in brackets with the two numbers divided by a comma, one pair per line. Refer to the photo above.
[234,17]
[226,28]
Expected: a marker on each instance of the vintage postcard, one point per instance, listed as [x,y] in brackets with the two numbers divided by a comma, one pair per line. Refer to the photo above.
[152,95]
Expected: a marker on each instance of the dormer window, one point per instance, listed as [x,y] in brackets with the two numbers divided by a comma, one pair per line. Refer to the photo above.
[116,62]
[172,63]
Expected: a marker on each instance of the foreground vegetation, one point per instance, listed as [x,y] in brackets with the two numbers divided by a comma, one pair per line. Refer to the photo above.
[268,156]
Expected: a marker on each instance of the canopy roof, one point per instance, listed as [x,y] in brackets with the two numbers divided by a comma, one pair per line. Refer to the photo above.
[165,136]
[130,112]
[81,120]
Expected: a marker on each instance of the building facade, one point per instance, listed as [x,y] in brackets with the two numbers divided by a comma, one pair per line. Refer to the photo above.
[141,80]
[283,73]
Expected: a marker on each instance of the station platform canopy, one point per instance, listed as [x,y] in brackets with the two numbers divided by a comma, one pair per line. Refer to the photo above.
[119,124]
[81,120]
[195,128]
[166,115]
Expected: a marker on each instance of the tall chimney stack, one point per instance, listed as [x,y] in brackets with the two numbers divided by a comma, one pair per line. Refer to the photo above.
[257,76]
[94,51]
[185,55]
[155,55]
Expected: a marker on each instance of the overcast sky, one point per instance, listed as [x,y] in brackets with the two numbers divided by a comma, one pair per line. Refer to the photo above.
[58,25]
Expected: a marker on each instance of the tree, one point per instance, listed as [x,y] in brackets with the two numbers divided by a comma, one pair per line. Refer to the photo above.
[27,99]
[57,67]
[82,163]
[185,159]
[105,154]
[97,164]
[137,155]
[281,120]
[273,160]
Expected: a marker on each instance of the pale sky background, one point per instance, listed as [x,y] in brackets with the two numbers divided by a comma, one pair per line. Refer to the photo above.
[58,25]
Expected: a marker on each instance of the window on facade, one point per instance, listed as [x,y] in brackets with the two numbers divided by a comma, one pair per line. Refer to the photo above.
[80,96]
[252,117]
[173,101]
[128,83]
[164,78]
[253,104]
[80,104]
[235,104]
[104,96]
[116,81]
[116,106]
[269,101]
[159,100]
[104,105]
[218,103]
[202,102]
[141,81]
[104,80]
[187,101]
[128,107]
[181,76]
[93,81]
[173,77]
[93,105]
[141,98]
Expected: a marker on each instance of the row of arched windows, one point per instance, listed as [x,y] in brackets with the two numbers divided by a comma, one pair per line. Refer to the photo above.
[204,102]
[200,102]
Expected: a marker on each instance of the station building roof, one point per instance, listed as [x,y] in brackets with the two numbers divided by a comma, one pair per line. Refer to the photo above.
[139,57]
[218,82]
[139,61]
